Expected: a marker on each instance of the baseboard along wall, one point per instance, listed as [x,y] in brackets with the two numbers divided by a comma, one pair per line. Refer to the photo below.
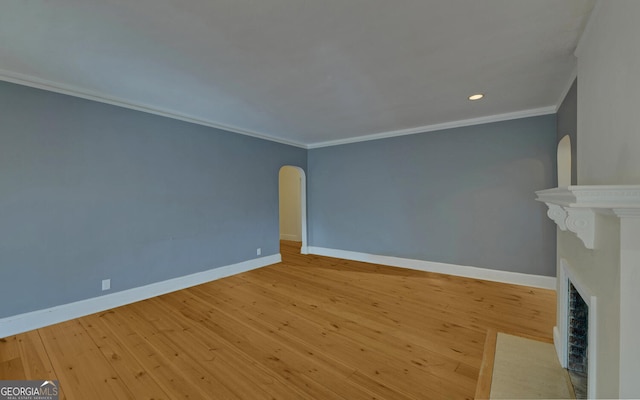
[516,278]
[37,319]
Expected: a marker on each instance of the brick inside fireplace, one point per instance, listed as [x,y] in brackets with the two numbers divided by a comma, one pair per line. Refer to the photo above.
[578,360]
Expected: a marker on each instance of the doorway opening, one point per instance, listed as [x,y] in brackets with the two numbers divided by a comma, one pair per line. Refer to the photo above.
[292,189]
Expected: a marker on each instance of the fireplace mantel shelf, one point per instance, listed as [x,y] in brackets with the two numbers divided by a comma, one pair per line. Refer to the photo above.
[574,208]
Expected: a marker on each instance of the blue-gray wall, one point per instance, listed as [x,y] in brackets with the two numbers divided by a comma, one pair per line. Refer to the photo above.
[461,196]
[90,191]
[568,125]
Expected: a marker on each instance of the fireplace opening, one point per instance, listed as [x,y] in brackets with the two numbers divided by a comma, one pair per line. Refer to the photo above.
[578,360]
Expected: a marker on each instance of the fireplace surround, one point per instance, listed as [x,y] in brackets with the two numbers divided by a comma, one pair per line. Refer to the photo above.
[599,253]
[578,357]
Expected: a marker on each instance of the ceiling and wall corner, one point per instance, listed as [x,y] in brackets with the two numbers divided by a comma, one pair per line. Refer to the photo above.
[307,75]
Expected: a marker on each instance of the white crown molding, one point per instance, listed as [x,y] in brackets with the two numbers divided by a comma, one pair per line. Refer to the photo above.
[438,127]
[516,278]
[574,208]
[37,319]
[75,91]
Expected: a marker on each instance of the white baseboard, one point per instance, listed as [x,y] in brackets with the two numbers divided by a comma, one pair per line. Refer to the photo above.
[49,316]
[291,237]
[545,282]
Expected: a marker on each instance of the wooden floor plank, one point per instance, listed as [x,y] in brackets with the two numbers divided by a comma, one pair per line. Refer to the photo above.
[228,344]
[310,360]
[263,344]
[220,362]
[12,370]
[36,360]
[483,388]
[353,349]
[380,313]
[82,370]
[133,374]
[160,362]
[9,348]
[310,327]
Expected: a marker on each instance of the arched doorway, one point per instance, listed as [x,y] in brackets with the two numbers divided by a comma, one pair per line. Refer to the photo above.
[292,189]
[564,161]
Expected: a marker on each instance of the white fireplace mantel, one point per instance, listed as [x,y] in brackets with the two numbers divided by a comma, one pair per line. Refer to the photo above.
[583,210]
[575,208]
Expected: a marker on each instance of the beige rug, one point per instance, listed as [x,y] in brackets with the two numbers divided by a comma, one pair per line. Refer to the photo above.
[528,369]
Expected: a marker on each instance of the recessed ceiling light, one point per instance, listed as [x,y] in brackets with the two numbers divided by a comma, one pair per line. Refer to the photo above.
[476,96]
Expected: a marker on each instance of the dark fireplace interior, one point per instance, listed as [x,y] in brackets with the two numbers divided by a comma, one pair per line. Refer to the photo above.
[578,362]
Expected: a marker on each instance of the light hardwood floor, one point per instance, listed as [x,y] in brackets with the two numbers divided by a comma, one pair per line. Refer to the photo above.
[308,328]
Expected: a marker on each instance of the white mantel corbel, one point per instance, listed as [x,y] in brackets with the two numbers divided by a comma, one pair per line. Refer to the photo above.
[582,222]
[558,215]
[575,208]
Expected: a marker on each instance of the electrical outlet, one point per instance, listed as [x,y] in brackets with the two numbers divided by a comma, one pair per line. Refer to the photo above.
[106,284]
[259,251]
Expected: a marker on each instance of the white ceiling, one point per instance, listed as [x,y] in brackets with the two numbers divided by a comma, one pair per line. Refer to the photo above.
[303,72]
